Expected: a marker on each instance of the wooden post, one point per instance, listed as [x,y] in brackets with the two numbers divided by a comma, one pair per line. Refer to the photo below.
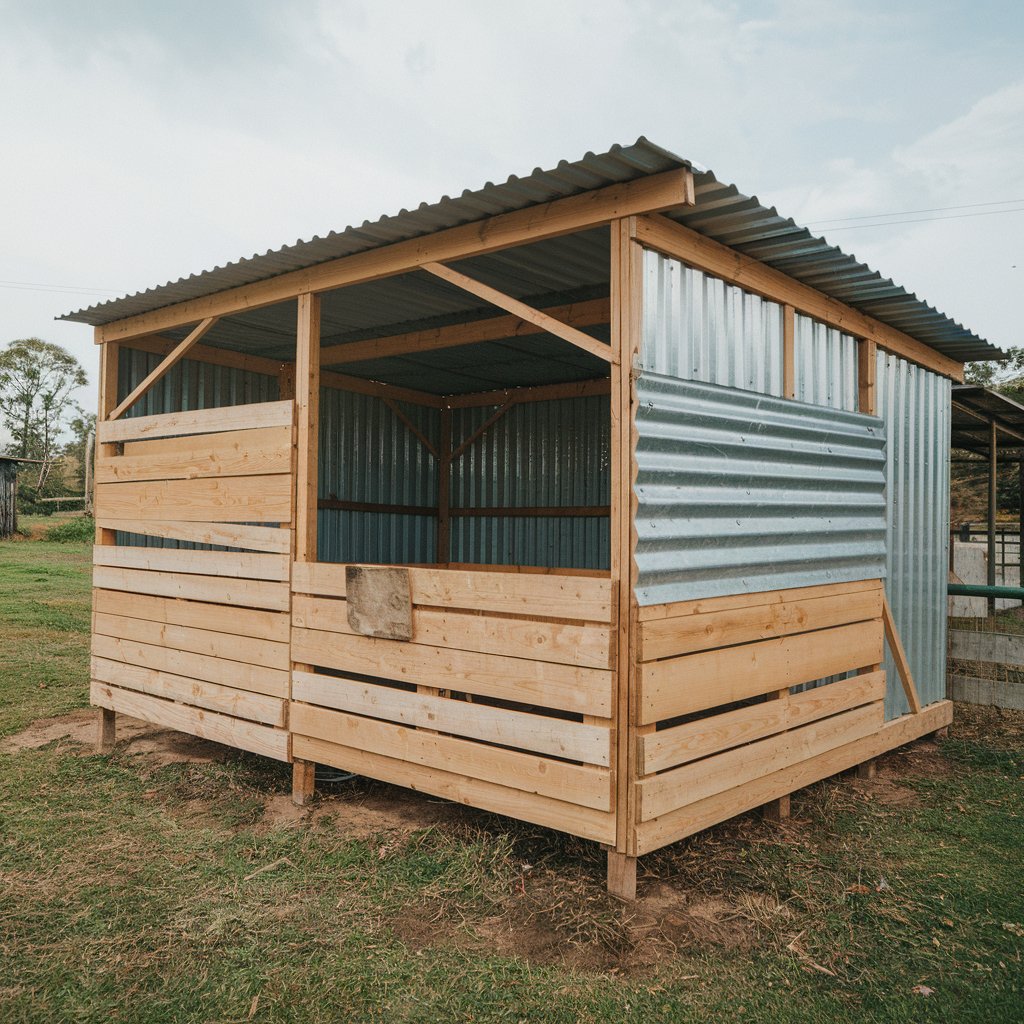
[867,372]
[992,468]
[286,382]
[444,479]
[106,733]
[621,875]
[866,770]
[777,810]
[788,352]
[303,781]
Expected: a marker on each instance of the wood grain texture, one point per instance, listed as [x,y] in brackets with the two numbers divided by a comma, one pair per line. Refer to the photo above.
[196,421]
[213,589]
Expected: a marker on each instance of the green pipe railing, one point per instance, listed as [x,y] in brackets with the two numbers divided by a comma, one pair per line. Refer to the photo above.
[971,590]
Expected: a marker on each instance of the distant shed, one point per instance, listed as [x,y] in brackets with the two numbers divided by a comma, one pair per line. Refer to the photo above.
[604,498]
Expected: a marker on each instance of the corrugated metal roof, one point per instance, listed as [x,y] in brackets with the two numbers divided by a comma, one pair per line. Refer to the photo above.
[722,212]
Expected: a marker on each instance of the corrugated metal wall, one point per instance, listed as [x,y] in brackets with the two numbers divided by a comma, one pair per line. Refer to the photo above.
[368,455]
[740,493]
[825,365]
[915,406]
[539,454]
[697,327]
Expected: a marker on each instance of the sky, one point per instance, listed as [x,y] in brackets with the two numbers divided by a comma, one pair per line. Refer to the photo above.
[145,141]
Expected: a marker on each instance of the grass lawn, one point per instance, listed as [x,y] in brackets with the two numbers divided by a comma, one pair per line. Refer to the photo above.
[172,881]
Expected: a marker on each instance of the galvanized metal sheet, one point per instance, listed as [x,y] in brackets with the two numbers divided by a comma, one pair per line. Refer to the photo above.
[914,405]
[825,365]
[740,493]
[697,327]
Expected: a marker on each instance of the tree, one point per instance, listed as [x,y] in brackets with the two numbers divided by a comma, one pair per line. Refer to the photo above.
[37,382]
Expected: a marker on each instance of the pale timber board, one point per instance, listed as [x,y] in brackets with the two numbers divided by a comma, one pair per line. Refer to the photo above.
[666,638]
[253,707]
[246,649]
[196,421]
[209,725]
[238,453]
[215,589]
[584,785]
[232,441]
[243,622]
[232,564]
[679,744]
[670,790]
[692,818]
[245,499]
[256,538]
[556,814]
[563,687]
[532,594]
[706,605]
[565,643]
[269,681]
[707,679]
[573,741]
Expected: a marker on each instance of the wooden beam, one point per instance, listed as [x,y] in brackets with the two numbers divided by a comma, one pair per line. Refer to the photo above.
[541,393]
[175,356]
[520,309]
[665,236]
[410,426]
[444,480]
[377,389]
[109,359]
[482,429]
[665,191]
[621,876]
[900,657]
[307,403]
[993,498]
[495,328]
[867,367]
[788,351]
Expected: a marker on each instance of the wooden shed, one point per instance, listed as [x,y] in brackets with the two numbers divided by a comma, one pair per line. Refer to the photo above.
[577,498]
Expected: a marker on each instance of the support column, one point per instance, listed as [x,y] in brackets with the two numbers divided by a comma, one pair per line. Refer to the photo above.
[992,467]
[106,733]
[621,875]
[444,479]
[303,782]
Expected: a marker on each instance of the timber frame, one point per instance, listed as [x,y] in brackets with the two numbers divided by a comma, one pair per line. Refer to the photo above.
[620,768]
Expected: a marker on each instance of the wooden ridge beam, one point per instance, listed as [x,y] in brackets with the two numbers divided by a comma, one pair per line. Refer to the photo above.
[496,328]
[655,192]
[665,236]
[544,321]
[174,356]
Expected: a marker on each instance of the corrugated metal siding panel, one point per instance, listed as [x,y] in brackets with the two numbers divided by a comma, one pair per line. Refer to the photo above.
[367,454]
[538,454]
[825,365]
[188,385]
[740,493]
[697,327]
[915,406]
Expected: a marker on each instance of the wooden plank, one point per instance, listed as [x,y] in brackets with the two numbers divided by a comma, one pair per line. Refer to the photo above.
[495,328]
[258,678]
[867,371]
[171,359]
[247,649]
[705,605]
[584,785]
[660,794]
[899,656]
[223,618]
[573,741]
[109,360]
[598,826]
[542,393]
[236,453]
[669,828]
[693,682]
[215,589]
[549,595]
[248,499]
[564,643]
[268,539]
[234,564]
[253,707]
[788,351]
[679,744]
[209,725]
[697,250]
[544,321]
[666,638]
[654,192]
[196,421]
[307,417]
[542,683]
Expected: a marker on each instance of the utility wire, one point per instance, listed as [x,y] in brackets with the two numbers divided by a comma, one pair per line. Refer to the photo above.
[39,286]
[908,213]
[917,220]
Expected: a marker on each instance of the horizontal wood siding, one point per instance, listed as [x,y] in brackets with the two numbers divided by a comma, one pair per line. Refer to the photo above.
[716,714]
[198,640]
[502,697]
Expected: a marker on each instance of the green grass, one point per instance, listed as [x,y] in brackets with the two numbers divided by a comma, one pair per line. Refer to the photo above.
[131,890]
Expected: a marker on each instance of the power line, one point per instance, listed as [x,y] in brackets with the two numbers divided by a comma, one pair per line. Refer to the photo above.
[39,286]
[908,213]
[916,220]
